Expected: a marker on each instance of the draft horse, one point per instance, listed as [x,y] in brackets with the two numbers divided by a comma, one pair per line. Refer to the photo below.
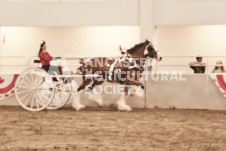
[125,72]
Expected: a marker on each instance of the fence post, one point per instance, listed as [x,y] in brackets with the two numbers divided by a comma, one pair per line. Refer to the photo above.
[207,78]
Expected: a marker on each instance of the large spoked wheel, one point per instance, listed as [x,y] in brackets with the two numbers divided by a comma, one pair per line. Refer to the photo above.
[34,89]
[74,87]
[62,95]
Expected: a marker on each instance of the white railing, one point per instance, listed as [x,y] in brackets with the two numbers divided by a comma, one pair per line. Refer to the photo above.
[12,64]
[181,62]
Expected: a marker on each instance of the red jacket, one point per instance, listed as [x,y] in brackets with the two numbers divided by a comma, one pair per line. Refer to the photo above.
[45,58]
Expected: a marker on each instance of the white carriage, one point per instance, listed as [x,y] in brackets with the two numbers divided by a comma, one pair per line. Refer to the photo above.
[36,90]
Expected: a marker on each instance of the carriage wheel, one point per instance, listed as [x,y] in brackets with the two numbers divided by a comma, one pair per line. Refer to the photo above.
[74,87]
[62,95]
[34,89]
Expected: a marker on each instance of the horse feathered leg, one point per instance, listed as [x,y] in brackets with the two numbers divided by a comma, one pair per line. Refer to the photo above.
[76,101]
[97,98]
[122,102]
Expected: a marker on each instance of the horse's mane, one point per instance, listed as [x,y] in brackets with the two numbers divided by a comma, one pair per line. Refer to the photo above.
[138,46]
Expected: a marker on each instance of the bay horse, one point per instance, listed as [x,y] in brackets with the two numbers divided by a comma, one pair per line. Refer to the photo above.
[128,74]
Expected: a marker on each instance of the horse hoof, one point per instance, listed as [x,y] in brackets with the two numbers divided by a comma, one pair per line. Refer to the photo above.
[124,108]
[99,102]
[99,105]
[129,109]
[78,108]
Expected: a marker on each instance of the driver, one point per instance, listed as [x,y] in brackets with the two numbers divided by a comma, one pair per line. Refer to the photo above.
[45,61]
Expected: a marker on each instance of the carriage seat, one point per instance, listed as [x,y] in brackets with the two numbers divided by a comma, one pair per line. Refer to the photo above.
[37,63]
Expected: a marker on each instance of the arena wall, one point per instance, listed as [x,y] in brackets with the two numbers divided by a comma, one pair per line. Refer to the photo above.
[180,45]
[111,12]
[188,41]
[65,41]
[79,13]
[189,12]
[0,43]
[148,19]
[195,92]
[75,13]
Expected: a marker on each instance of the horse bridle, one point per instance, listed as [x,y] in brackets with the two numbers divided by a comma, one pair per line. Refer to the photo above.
[153,53]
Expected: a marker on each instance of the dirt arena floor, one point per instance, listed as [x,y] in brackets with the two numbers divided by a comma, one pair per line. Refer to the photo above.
[108,129]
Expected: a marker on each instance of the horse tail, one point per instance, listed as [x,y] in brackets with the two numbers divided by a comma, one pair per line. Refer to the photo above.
[122,52]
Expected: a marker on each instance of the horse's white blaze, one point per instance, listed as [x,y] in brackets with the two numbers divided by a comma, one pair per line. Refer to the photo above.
[122,104]
[76,102]
[97,98]
[159,55]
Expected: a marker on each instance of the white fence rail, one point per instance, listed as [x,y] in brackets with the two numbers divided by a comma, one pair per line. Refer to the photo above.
[169,63]
[13,64]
